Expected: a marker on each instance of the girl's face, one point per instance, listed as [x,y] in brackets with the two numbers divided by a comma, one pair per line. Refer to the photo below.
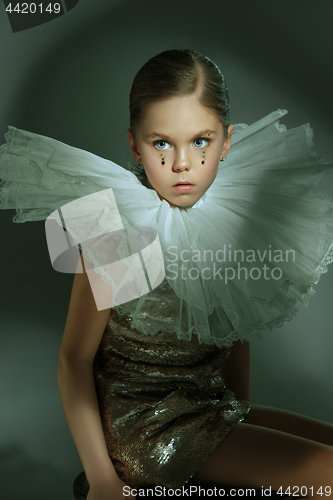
[182,133]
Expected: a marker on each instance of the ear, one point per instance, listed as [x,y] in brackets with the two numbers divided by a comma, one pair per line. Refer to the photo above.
[227,143]
[134,149]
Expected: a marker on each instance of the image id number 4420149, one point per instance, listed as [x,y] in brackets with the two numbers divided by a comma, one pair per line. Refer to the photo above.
[304,491]
[33,8]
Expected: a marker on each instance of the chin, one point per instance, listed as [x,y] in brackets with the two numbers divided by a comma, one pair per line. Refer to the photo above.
[183,202]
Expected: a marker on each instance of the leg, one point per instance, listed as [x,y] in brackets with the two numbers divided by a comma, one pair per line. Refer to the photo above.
[254,457]
[292,423]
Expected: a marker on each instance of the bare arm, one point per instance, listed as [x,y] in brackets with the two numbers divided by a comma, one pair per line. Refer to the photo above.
[236,370]
[84,328]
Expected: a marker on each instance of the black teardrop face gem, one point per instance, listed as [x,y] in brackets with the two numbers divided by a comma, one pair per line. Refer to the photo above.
[203,162]
[163,162]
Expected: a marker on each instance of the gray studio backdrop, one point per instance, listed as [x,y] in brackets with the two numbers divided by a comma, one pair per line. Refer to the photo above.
[70,79]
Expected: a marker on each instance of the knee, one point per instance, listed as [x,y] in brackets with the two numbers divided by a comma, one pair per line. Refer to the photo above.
[318,470]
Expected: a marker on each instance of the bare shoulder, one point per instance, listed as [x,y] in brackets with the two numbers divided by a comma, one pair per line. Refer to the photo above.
[85,324]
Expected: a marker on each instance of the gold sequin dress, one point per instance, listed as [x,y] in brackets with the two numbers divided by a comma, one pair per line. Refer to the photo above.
[163,408]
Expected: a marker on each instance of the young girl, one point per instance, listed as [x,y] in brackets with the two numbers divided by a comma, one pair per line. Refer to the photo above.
[156,389]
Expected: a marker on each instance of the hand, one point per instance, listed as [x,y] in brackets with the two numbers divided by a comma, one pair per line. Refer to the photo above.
[109,490]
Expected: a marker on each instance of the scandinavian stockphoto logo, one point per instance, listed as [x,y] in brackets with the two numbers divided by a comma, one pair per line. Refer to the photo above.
[26,15]
[121,264]
[226,263]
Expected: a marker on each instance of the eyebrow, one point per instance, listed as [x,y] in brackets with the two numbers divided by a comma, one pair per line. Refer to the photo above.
[167,138]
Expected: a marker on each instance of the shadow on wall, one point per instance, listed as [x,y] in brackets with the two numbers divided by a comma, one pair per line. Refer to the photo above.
[23,477]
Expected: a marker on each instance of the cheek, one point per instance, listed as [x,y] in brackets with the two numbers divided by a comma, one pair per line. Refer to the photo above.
[152,159]
[155,173]
[212,168]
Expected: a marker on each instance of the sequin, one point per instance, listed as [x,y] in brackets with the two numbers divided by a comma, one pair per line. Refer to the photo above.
[164,409]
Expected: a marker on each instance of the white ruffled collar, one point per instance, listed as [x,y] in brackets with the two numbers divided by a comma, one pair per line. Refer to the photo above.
[272,195]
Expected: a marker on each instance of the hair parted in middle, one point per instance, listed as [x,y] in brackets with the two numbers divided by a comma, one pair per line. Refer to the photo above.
[175,73]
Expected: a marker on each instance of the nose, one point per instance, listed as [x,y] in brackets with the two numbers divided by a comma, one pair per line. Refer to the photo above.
[182,161]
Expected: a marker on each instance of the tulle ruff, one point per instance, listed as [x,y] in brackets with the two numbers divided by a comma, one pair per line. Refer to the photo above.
[238,263]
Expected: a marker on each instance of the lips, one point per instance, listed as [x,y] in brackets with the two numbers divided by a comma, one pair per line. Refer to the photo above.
[183,187]
[183,183]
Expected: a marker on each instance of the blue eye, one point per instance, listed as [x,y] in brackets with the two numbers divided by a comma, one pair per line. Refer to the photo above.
[201,143]
[161,144]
